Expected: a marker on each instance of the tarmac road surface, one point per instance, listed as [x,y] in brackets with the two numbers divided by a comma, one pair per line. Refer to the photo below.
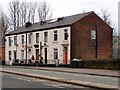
[17,81]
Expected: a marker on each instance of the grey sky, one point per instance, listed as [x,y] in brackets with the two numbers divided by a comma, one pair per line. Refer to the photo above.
[70,7]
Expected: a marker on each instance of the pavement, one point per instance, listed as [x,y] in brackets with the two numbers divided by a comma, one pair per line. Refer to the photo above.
[94,78]
[98,72]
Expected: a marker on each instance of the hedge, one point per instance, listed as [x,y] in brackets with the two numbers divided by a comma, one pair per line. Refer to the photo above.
[113,64]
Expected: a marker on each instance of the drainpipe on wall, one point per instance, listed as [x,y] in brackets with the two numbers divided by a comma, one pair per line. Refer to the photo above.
[96,44]
[26,48]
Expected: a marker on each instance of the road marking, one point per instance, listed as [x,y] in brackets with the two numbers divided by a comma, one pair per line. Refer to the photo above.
[21,78]
[53,85]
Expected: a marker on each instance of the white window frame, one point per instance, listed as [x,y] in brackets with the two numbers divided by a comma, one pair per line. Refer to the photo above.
[65,34]
[37,38]
[55,54]
[22,39]
[55,35]
[46,36]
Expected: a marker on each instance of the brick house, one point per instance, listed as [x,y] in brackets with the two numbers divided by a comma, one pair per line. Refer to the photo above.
[2,49]
[83,35]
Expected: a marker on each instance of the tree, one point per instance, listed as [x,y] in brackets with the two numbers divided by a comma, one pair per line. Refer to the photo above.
[14,14]
[44,12]
[33,9]
[105,15]
[22,12]
[3,27]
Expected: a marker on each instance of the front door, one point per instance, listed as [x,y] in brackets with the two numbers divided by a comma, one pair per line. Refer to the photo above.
[37,54]
[15,55]
[65,54]
[45,55]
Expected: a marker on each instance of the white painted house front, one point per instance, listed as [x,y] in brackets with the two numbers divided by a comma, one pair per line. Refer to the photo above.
[55,45]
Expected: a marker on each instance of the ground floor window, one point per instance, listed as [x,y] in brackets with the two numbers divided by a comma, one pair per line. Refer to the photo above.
[22,54]
[55,53]
[9,55]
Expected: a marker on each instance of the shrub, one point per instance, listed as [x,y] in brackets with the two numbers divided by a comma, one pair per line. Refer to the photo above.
[112,64]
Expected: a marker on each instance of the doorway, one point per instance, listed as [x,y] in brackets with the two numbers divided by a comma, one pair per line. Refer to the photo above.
[45,55]
[15,55]
[65,55]
[37,54]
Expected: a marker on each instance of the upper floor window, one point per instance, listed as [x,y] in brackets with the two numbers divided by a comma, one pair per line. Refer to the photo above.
[45,36]
[22,39]
[15,40]
[65,34]
[37,37]
[10,41]
[55,36]
[29,36]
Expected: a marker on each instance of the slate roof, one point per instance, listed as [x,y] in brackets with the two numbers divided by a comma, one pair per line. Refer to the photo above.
[68,20]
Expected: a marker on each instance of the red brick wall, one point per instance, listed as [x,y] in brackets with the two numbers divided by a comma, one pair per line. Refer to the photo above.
[81,43]
[2,53]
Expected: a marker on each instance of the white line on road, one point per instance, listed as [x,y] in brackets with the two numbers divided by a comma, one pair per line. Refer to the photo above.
[21,78]
[53,85]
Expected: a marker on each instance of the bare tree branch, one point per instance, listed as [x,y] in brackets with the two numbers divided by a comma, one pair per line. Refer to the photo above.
[44,11]
[106,16]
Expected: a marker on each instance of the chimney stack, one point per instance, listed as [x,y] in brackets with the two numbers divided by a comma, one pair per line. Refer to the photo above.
[28,24]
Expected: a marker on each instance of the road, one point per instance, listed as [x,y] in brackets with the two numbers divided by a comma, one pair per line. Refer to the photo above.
[82,79]
[17,81]
[72,76]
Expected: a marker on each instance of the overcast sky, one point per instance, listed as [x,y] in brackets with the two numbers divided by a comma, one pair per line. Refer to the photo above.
[70,7]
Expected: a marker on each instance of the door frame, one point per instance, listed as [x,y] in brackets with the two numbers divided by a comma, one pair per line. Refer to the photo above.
[65,55]
[45,55]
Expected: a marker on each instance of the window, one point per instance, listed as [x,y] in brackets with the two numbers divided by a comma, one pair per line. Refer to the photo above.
[22,39]
[9,41]
[22,54]
[93,34]
[29,38]
[37,37]
[55,36]
[65,34]
[15,40]
[45,36]
[10,55]
[15,54]
[55,53]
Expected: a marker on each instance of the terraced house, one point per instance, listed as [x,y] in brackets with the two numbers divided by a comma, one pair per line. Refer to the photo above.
[83,35]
